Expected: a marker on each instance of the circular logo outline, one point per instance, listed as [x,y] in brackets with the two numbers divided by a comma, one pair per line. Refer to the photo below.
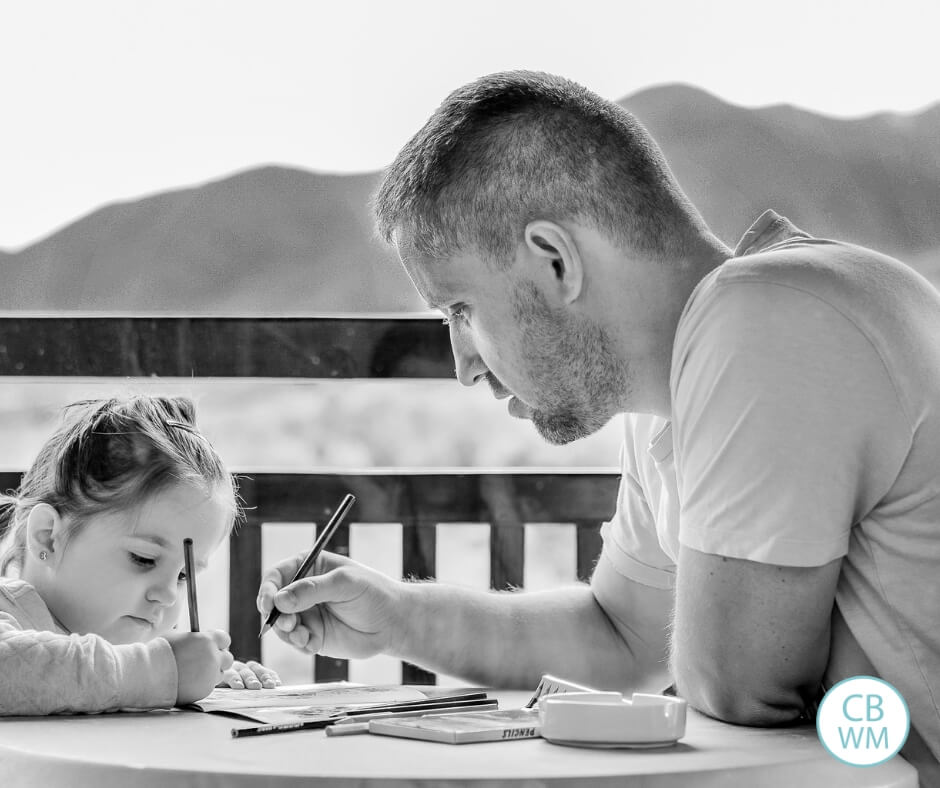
[892,688]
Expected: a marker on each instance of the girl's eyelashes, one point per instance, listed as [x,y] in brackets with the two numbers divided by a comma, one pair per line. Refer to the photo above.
[141,560]
[150,563]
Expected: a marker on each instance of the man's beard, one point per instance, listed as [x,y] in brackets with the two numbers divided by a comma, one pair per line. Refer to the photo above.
[573,367]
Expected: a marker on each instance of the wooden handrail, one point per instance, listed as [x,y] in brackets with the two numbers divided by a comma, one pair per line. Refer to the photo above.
[330,346]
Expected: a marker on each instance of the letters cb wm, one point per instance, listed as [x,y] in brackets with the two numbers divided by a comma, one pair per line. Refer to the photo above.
[863,721]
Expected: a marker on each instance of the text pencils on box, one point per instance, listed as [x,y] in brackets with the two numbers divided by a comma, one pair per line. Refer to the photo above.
[463,728]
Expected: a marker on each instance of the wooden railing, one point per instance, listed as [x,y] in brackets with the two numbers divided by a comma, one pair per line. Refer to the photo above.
[321,347]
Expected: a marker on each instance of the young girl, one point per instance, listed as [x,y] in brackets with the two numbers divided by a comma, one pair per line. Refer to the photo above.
[95,539]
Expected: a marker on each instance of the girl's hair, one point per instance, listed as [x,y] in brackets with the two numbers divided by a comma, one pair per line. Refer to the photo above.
[113,454]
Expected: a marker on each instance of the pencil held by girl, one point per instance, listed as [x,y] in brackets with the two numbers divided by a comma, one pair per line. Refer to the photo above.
[92,579]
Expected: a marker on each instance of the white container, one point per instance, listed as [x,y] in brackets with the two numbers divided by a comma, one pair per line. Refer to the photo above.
[608,719]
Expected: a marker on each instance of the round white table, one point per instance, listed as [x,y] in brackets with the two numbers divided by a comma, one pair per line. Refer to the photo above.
[188,748]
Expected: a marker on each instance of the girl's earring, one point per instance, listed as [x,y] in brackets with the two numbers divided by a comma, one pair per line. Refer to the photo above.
[43,555]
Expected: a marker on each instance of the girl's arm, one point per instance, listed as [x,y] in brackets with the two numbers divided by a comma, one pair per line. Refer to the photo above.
[51,673]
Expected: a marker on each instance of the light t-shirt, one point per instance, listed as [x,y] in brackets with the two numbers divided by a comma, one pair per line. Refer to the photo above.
[805,427]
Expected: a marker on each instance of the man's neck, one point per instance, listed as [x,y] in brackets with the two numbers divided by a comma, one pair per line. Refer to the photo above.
[681,279]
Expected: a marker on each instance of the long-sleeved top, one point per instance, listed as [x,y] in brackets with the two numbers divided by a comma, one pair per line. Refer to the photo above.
[46,670]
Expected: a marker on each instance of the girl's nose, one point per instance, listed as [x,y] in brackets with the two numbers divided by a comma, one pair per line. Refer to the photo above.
[164,591]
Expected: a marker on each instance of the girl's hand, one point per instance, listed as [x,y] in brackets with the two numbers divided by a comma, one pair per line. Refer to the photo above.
[201,659]
[249,675]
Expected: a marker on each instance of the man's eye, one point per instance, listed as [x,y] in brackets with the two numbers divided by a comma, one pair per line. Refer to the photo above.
[142,560]
[456,315]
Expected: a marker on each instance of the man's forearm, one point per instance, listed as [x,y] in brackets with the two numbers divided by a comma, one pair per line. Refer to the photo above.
[509,639]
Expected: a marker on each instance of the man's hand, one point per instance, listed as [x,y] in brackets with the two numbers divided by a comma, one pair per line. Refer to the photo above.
[201,660]
[344,609]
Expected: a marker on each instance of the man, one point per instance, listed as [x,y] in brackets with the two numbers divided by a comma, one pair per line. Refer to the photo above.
[777,522]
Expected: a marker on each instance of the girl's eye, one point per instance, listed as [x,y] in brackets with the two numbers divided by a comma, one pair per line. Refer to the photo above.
[181,578]
[142,561]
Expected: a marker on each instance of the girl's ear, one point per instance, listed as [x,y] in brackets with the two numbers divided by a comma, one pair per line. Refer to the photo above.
[44,527]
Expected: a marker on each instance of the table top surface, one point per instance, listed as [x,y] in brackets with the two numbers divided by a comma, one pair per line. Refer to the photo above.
[189,748]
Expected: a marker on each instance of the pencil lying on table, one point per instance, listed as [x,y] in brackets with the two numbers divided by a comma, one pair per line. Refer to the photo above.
[440,706]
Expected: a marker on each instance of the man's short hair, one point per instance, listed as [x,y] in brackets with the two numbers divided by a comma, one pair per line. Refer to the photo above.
[517,146]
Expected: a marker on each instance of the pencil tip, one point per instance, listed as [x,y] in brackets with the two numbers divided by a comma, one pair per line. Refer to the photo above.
[264,628]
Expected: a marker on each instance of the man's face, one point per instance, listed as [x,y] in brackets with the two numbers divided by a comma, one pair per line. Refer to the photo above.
[556,366]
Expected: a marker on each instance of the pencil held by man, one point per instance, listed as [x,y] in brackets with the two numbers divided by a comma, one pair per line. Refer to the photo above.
[310,559]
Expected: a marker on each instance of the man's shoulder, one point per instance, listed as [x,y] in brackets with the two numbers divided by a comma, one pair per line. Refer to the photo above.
[855,281]
[804,260]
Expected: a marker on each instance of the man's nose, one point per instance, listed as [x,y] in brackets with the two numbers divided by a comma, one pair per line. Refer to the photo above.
[468,364]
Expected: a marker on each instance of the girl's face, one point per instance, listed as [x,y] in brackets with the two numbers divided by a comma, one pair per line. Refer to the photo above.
[120,575]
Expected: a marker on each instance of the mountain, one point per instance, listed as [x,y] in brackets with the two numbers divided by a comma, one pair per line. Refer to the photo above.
[268,241]
[873,180]
[276,240]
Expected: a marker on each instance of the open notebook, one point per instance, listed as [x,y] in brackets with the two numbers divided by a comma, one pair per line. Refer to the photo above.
[323,701]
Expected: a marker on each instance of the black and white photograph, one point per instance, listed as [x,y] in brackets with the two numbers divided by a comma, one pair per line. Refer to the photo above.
[559,378]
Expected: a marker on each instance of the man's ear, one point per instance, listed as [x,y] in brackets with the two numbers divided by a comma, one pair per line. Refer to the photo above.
[44,531]
[553,244]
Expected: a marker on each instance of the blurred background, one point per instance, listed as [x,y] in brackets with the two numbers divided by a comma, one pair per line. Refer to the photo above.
[216,158]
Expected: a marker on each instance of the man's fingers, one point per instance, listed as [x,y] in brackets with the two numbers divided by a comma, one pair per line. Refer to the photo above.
[265,600]
[299,637]
[286,622]
[271,582]
[277,578]
[335,586]
[280,574]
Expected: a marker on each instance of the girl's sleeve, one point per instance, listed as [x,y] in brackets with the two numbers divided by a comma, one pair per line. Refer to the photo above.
[51,673]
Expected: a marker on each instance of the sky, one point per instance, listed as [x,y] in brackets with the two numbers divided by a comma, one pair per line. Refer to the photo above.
[110,100]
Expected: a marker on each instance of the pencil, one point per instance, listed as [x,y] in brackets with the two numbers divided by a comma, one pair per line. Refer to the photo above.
[315,551]
[416,708]
[191,584]
[348,726]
